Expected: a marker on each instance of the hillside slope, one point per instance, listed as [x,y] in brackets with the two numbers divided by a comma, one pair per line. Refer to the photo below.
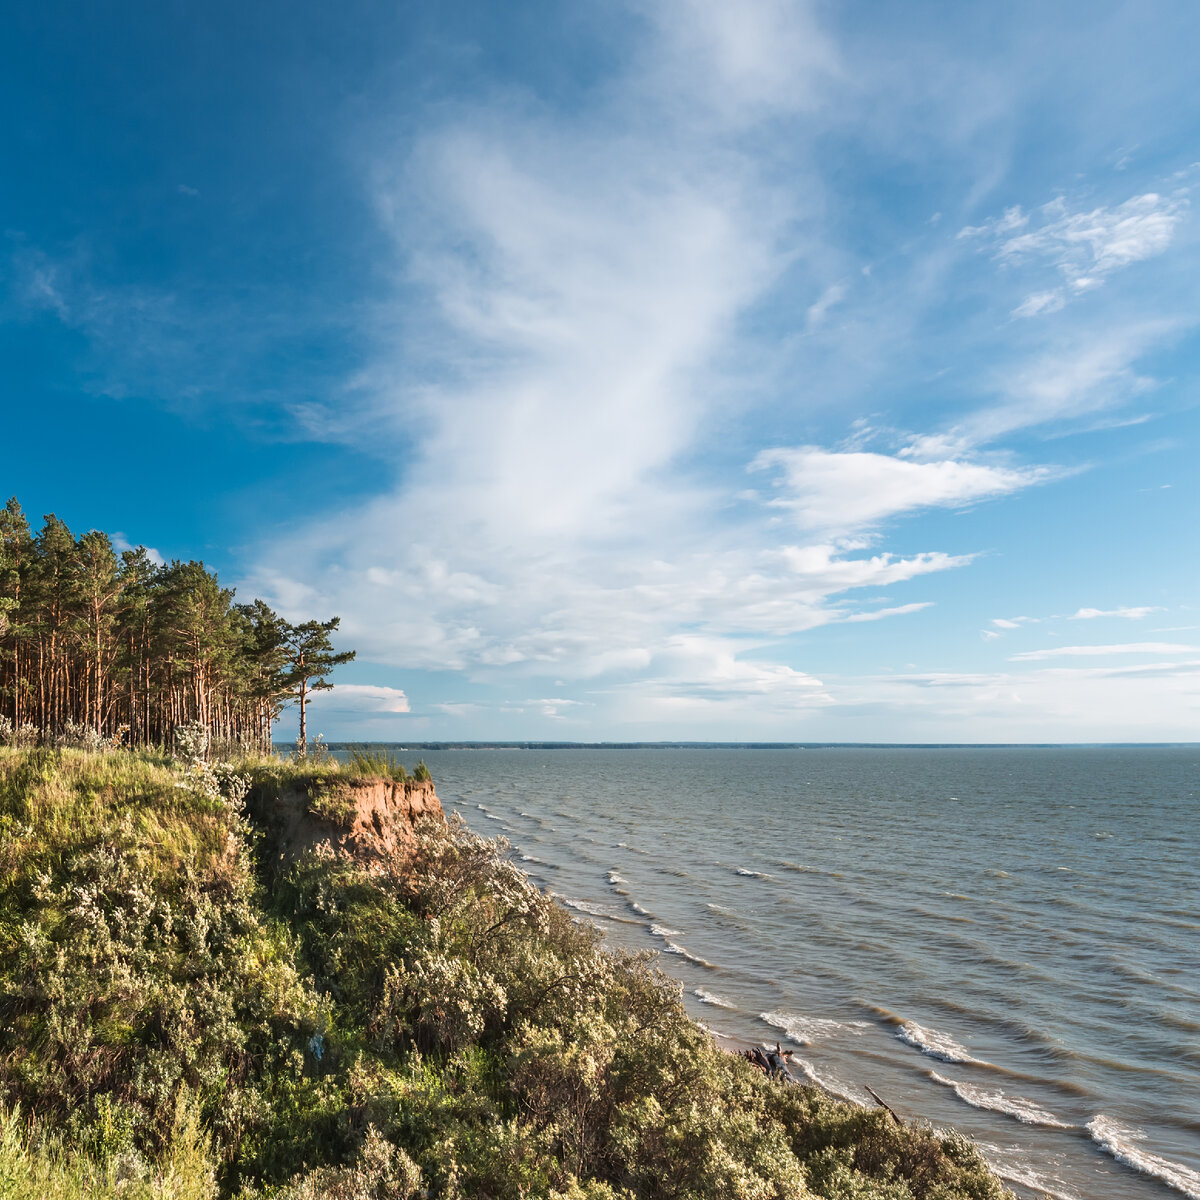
[189,1007]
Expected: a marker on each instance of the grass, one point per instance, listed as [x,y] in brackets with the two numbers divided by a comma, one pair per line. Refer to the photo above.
[373,763]
[36,1168]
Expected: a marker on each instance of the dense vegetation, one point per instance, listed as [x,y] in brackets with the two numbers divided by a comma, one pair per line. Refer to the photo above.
[99,645]
[181,1014]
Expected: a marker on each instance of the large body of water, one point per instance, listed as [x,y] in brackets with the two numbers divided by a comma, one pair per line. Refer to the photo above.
[1006,941]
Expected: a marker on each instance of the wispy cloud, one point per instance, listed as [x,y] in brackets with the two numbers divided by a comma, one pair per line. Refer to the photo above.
[819,309]
[1013,622]
[1122,648]
[1128,614]
[585,278]
[1085,247]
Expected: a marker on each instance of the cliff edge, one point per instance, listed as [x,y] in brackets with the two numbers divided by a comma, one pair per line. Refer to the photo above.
[362,819]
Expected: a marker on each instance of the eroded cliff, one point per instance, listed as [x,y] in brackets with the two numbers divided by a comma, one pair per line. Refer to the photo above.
[364,819]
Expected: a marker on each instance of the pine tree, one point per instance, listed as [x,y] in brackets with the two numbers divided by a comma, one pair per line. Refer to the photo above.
[312,658]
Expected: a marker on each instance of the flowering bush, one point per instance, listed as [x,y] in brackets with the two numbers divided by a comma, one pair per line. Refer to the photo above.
[24,734]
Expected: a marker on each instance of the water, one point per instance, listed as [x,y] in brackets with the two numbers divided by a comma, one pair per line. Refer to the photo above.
[1004,941]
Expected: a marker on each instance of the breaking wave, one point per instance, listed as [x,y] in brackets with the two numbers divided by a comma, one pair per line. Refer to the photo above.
[805,1030]
[934,1043]
[831,1084]
[1015,1106]
[707,997]
[594,910]
[675,948]
[1121,1142]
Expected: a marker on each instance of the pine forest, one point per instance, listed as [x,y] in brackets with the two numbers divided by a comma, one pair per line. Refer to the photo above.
[106,646]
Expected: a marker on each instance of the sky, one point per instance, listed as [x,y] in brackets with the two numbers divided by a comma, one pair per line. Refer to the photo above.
[666,369]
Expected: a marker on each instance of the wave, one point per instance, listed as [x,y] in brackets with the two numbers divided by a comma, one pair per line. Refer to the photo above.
[707,997]
[936,1044]
[929,1041]
[805,1030]
[1002,1162]
[831,1084]
[753,874]
[729,917]
[1120,1141]
[594,910]
[675,948]
[663,932]
[637,908]
[1024,1110]
[614,878]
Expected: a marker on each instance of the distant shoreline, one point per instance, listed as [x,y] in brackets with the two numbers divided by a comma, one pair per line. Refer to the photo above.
[535,745]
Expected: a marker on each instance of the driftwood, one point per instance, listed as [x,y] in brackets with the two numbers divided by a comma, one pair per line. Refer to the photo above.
[875,1094]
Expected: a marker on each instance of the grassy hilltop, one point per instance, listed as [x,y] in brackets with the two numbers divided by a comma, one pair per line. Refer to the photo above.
[183,1014]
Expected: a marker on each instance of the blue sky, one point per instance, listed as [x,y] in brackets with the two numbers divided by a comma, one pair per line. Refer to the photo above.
[778,371]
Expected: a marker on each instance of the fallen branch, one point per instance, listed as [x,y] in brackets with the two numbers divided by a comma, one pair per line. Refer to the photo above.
[875,1094]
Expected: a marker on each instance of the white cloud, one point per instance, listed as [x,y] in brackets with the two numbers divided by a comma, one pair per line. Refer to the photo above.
[1013,622]
[1129,614]
[741,62]
[584,280]
[120,543]
[880,613]
[1149,702]
[1040,302]
[1124,648]
[361,698]
[827,490]
[816,312]
[1084,247]
[1080,375]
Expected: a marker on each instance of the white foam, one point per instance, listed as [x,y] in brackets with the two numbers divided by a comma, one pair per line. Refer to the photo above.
[1015,1106]
[533,858]
[707,997]
[614,878]
[492,817]
[805,1030]
[1120,1141]
[663,932]
[593,910]
[935,1044]
[752,874]
[637,908]
[831,1084]
[675,948]
[1010,1165]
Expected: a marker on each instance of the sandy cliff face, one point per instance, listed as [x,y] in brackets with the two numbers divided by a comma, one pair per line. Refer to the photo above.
[362,819]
